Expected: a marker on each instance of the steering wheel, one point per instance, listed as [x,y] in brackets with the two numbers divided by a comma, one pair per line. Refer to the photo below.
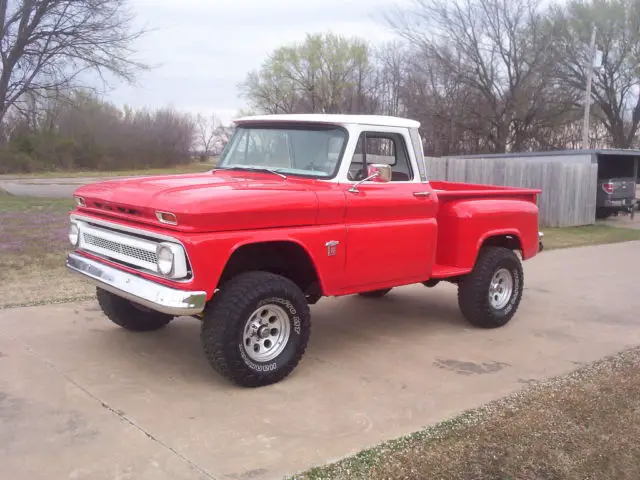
[356,176]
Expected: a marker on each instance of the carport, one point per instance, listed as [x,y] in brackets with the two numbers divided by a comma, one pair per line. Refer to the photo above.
[570,180]
[617,164]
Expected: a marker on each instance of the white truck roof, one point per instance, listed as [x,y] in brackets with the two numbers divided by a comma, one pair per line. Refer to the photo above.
[379,120]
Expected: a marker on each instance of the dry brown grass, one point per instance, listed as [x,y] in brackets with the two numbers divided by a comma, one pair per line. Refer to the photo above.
[34,285]
[33,245]
[582,426]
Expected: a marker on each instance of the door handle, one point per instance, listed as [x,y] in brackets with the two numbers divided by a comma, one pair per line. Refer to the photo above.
[421,194]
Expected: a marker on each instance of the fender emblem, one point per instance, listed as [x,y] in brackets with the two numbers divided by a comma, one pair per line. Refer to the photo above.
[332,246]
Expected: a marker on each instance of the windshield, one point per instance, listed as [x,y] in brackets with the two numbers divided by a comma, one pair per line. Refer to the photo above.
[310,151]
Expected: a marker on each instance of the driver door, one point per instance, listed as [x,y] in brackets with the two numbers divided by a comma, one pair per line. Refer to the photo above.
[391,228]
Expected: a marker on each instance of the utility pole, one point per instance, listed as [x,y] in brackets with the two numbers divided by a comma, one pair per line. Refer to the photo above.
[587,96]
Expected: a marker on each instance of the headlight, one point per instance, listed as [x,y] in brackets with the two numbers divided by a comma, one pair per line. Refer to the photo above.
[74,234]
[165,259]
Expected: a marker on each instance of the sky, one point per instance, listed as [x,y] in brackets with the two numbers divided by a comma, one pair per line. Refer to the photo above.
[202,49]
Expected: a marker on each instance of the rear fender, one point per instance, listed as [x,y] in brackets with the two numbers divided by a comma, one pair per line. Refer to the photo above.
[509,238]
[466,225]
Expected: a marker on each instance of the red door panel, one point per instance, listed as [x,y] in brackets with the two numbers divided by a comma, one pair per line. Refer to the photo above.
[391,234]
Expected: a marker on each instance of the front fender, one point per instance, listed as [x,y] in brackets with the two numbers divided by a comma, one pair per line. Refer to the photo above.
[210,253]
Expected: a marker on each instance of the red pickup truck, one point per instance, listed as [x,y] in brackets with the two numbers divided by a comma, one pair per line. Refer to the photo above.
[299,207]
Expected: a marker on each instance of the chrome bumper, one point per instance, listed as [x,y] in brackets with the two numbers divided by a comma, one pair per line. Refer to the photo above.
[540,244]
[137,289]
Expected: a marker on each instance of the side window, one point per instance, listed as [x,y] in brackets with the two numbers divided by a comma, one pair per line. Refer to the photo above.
[386,148]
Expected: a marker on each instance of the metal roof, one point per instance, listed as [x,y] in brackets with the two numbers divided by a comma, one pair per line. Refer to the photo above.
[379,120]
[556,153]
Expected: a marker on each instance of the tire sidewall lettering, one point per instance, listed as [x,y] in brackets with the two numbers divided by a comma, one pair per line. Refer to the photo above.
[294,337]
[515,294]
[262,368]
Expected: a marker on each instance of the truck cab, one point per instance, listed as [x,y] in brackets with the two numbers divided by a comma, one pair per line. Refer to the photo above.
[300,207]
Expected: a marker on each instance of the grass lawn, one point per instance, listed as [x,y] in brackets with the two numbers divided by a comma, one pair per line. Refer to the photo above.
[195,167]
[33,245]
[588,235]
[581,426]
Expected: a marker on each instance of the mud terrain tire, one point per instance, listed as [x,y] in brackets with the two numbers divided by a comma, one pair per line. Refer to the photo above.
[489,296]
[128,315]
[256,330]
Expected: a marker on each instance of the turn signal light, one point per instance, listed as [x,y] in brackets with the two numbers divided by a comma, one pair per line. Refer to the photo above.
[166,217]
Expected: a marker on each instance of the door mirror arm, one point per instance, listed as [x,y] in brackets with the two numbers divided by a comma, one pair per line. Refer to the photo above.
[354,189]
[380,171]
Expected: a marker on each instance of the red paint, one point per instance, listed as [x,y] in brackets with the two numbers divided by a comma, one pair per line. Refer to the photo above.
[387,235]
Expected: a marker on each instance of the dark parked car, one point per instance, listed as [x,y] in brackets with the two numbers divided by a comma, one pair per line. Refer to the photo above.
[615,195]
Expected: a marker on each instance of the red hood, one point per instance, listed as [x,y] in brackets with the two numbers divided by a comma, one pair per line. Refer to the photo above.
[220,201]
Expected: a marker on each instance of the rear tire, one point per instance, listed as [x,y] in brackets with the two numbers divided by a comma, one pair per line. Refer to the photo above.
[128,315]
[257,329]
[603,213]
[489,296]
[375,293]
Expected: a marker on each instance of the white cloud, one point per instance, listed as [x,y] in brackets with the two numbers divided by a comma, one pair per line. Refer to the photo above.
[204,48]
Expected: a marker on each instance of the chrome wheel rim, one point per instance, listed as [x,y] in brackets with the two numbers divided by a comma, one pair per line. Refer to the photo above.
[266,333]
[500,289]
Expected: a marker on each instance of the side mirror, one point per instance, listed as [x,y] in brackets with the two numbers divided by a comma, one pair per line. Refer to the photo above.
[383,171]
[376,172]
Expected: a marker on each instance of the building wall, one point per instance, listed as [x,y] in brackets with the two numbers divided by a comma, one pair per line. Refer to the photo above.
[568,182]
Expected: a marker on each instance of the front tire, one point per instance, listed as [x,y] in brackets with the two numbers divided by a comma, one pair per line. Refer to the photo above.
[128,315]
[257,329]
[489,296]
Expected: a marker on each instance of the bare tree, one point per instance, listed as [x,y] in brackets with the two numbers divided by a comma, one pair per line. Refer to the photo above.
[616,85]
[48,45]
[497,52]
[206,132]
[78,130]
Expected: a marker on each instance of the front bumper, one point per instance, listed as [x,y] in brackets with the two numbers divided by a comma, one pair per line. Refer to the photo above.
[137,289]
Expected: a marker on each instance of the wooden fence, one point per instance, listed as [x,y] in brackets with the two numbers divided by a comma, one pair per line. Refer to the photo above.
[568,195]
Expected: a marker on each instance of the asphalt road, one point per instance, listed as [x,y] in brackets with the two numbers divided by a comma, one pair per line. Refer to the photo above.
[45,187]
[83,399]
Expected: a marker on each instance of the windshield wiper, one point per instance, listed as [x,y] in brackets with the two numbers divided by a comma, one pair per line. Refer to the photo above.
[252,169]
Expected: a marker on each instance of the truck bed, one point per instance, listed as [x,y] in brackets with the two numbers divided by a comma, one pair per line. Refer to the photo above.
[470,214]
[451,190]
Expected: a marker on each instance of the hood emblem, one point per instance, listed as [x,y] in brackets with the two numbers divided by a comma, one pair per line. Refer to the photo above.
[332,246]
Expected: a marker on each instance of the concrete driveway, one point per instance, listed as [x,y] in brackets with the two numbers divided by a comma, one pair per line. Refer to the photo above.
[82,399]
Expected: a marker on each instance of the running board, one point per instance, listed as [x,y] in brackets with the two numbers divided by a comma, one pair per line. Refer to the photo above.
[447,271]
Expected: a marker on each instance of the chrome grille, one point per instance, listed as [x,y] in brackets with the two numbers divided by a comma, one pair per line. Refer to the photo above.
[116,247]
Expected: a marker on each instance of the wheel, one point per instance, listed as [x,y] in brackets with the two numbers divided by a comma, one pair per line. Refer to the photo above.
[257,330]
[375,293]
[603,213]
[490,295]
[129,315]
